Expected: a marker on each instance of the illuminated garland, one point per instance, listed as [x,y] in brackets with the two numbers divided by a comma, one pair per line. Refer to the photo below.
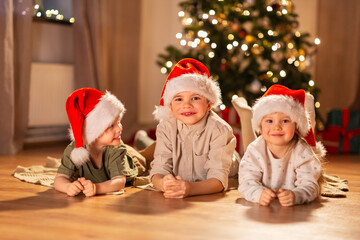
[51,14]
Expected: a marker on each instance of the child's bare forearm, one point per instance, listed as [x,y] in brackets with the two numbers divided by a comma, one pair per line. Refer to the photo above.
[61,182]
[113,185]
[157,181]
[207,186]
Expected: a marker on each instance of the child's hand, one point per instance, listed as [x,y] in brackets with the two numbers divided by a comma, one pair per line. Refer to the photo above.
[176,188]
[89,187]
[74,188]
[266,197]
[167,182]
[286,197]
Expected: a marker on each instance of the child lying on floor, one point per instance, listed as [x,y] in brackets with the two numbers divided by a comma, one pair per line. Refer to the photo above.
[284,162]
[195,147]
[97,161]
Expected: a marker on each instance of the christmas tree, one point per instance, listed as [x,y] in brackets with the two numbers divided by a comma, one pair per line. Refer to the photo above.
[248,45]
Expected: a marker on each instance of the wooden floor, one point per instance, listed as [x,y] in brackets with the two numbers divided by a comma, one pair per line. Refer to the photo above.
[29,211]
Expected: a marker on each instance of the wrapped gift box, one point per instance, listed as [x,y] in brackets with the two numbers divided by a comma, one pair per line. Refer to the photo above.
[230,116]
[239,147]
[342,132]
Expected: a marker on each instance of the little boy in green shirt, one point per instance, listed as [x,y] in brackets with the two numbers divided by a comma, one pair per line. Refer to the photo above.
[97,161]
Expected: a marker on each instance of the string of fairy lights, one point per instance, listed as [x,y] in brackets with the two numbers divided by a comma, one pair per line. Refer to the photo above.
[51,14]
[247,43]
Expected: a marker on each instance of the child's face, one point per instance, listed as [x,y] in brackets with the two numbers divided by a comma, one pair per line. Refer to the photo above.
[112,135]
[189,107]
[277,129]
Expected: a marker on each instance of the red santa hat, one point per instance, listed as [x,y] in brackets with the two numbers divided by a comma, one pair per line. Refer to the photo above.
[279,98]
[187,75]
[90,113]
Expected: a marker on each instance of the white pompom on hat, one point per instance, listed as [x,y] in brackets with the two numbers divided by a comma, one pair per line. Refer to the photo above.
[187,75]
[279,98]
[90,113]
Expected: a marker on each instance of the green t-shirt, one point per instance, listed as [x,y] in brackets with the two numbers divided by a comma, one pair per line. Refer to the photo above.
[115,162]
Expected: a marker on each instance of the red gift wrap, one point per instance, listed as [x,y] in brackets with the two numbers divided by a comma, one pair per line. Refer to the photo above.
[232,118]
[342,133]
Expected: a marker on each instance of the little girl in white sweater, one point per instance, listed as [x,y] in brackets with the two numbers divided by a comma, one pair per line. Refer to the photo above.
[284,162]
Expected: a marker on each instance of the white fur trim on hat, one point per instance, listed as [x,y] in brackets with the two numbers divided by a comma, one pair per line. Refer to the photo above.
[281,103]
[196,83]
[162,112]
[101,117]
[79,156]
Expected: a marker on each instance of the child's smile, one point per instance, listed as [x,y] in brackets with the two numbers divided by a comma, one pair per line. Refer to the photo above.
[277,135]
[117,138]
[188,113]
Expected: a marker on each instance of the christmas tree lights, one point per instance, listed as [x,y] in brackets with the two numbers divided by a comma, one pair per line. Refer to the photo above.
[248,45]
